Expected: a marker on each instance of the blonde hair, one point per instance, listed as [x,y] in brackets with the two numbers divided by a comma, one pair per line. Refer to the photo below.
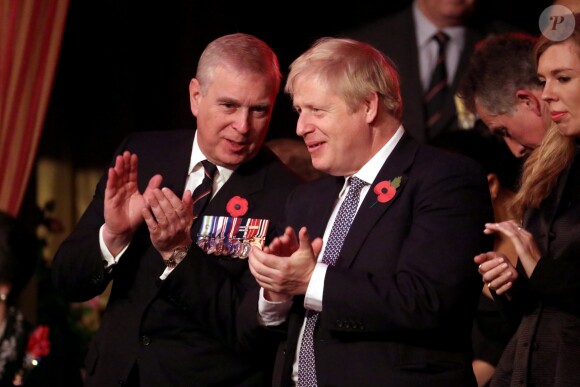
[354,69]
[546,163]
[542,169]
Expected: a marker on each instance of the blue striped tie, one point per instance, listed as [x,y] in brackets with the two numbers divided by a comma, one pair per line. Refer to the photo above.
[346,213]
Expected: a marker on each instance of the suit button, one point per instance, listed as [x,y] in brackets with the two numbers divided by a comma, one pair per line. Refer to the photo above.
[145,340]
[552,235]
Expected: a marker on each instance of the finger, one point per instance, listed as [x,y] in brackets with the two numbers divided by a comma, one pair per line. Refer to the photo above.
[153,200]
[149,220]
[493,271]
[166,205]
[125,166]
[132,164]
[261,265]
[504,288]
[154,182]
[485,257]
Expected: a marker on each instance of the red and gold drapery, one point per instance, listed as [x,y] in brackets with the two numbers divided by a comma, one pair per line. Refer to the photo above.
[30,39]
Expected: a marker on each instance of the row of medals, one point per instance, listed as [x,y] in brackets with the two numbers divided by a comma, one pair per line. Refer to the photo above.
[236,247]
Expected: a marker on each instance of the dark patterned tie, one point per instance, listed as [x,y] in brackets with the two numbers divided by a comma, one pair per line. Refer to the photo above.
[202,193]
[437,89]
[306,361]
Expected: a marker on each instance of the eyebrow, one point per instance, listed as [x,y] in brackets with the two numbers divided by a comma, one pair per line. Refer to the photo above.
[556,71]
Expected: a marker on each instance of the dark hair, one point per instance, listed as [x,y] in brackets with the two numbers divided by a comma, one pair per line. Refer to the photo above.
[488,150]
[499,67]
[19,254]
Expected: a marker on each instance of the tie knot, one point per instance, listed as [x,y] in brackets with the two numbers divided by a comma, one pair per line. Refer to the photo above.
[209,168]
[441,38]
[356,184]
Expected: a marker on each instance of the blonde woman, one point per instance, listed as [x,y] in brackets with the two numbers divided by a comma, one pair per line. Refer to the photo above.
[544,289]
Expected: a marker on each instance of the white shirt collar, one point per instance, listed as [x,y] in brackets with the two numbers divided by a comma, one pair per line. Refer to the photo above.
[371,169]
[197,157]
[424,30]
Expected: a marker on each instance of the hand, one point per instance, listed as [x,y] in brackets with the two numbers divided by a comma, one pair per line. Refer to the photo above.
[528,252]
[496,271]
[285,274]
[123,202]
[169,219]
[284,245]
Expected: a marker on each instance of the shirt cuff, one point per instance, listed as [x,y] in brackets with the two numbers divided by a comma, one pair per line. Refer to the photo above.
[272,313]
[315,290]
[108,258]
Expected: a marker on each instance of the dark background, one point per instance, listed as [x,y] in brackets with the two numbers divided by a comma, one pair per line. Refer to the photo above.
[125,65]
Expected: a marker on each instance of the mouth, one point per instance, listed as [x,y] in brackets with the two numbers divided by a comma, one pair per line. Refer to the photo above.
[314,145]
[557,116]
[236,145]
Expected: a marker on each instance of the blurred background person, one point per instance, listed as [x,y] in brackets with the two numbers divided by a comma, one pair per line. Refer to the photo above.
[430,42]
[491,330]
[500,85]
[31,354]
[294,154]
[544,288]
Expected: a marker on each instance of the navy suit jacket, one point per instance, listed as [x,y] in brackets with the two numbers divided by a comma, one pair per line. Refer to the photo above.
[399,304]
[185,330]
[395,36]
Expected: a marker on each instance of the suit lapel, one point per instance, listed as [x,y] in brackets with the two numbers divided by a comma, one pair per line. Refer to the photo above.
[247,180]
[175,172]
[371,211]
[327,199]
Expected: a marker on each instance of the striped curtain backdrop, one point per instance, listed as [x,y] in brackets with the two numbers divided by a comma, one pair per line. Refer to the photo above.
[30,39]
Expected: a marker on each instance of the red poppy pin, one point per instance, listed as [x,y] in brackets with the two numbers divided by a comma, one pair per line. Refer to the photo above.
[386,190]
[237,206]
[38,343]
[38,347]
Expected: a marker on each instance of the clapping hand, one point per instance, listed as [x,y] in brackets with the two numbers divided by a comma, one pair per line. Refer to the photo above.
[169,219]
[123,202]
[284,267]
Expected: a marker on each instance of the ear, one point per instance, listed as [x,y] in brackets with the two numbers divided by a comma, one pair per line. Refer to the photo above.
[371,106]
[493,184]
[529,100]
[194,96]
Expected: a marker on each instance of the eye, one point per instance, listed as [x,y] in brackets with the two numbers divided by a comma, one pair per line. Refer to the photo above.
[228,105]
[501,133]
[260,111]
[563,79]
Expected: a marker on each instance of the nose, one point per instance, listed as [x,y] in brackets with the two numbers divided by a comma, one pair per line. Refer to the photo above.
[515,147]
[242,121]
[303,127]
[548,92]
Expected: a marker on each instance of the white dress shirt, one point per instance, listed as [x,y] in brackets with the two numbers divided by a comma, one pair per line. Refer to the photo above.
[428,48]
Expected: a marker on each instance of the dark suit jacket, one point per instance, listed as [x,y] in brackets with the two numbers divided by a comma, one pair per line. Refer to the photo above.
[395,36]
[545,350]
[399,304]
[184,331]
